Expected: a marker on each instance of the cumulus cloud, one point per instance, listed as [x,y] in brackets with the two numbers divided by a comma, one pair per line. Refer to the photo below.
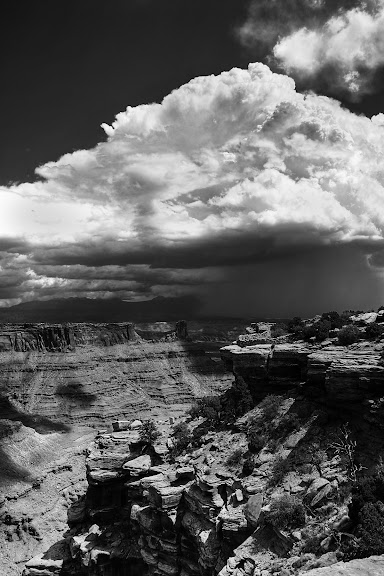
[267,20]
[229,172]
[348,49]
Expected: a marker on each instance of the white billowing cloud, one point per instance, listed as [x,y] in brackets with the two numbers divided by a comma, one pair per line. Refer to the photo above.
[225,169]
[351,43]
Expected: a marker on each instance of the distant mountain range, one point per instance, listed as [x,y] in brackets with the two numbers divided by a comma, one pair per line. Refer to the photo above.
[98,310]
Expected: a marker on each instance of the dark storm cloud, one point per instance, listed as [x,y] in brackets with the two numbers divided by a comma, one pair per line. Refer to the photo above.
[305,283]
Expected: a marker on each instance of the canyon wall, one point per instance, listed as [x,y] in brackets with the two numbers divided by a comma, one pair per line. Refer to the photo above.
[91,374]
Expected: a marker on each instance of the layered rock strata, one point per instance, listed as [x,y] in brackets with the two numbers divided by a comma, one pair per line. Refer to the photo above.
[94,385]
[336,375]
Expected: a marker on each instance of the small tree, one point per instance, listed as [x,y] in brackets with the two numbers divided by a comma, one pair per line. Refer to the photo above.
[149,432]
[348,335]
[345,447]
[181,438]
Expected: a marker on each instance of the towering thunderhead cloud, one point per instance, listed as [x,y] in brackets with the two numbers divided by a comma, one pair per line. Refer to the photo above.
[234,184]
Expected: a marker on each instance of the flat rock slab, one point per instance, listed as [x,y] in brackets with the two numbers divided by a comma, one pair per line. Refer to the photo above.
[373,566]
[138,465]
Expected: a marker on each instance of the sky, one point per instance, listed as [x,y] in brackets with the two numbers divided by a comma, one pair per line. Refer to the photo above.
[228,149]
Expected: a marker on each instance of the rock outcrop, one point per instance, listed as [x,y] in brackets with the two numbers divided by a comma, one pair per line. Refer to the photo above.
[338,376]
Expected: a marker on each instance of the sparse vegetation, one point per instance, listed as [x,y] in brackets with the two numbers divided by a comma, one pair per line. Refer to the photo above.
[280,468]
[344,446]
[286,512]
[149,432]
[278,330]
[270,406]
[235,458]
[289,423]
[256,441]
[348,335]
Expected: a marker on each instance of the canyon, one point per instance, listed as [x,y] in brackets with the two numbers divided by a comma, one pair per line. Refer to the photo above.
[145,508]
[58,384]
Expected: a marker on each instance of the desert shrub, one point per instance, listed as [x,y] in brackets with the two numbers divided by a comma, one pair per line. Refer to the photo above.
[286,512]
[348,335]
[334,318]
[280,468]
[374,331]
[319,330]
[198,433]
[234,459]
[273,444]
[288,424]
[312,545]
[248,466]
[256,441]
[295,326]
[319,457]
[208,407]
[279,329]
[270,406]
[181,438]
[149,432]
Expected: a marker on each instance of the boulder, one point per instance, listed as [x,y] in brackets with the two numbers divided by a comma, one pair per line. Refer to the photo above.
[138,466]
[136,424]
[253,509]
[121,425]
